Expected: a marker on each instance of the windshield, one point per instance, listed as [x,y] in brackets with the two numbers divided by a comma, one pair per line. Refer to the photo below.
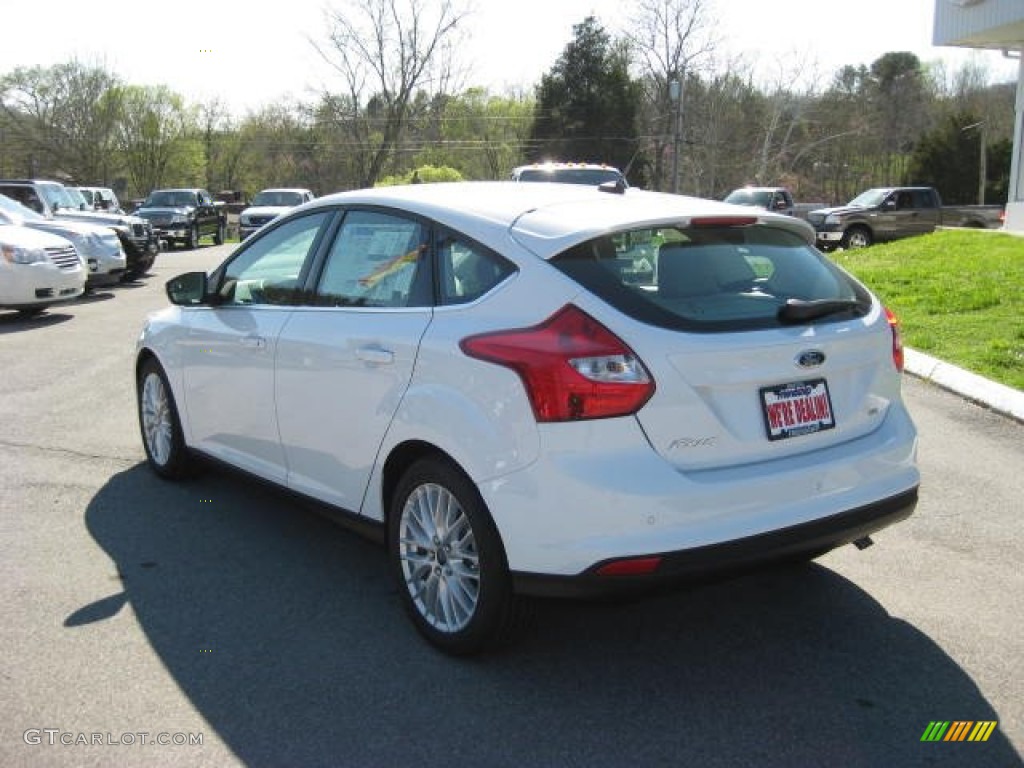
[592,176]
[170,198]
[714,278]
[17,212]
[761,198]
[277,198]
[88,195]
[77,199]
[870,199]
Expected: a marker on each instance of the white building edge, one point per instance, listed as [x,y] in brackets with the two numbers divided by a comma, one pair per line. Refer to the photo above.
[996,25]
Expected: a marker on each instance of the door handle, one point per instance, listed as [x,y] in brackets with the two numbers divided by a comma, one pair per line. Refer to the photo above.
[254,342]
[375,355]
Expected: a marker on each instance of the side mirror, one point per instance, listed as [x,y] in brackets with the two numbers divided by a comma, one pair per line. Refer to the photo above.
[889,205]
[187,290]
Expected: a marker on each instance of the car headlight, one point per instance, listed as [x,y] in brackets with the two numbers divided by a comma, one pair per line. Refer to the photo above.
[831,219]
[16,254]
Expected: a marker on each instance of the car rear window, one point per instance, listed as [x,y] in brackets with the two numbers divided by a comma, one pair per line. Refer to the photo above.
[713,278]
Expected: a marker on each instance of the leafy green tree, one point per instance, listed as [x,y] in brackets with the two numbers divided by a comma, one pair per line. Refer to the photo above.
[66,116]
[587,104]
[948,159]
[156,139]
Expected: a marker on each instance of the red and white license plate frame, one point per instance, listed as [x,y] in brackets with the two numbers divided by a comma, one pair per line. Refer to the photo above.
[797,408]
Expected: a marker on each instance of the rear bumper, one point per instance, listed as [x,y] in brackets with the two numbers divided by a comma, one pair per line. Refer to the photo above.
[718,560]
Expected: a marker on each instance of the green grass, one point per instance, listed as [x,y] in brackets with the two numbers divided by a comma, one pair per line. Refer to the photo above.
[959,297]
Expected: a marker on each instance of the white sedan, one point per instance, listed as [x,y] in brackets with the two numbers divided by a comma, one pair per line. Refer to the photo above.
[37,270]
[540,389]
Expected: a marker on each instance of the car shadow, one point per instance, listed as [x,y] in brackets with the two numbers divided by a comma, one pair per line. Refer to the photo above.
[287,635]
[12,322]
[95,295]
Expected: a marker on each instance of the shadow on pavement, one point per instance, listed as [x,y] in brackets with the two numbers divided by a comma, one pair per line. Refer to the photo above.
[12,322]
[286,633]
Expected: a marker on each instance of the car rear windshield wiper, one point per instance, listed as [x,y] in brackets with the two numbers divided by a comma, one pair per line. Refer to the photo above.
[800,311]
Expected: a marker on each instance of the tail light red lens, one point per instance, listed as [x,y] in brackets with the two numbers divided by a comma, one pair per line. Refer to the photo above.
[897,339]
[572,367]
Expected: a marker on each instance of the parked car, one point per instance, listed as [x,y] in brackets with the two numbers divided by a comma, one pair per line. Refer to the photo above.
[569,173]
[184,216]
[101,199]
[889,213]
[484,376]
[52,200]
[267,206]
[98,246]
[37,270]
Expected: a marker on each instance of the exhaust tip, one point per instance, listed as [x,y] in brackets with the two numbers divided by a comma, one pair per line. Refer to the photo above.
[863,542]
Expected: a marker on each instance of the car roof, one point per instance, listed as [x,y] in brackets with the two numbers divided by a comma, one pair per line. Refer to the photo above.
[548,218]
[284,189]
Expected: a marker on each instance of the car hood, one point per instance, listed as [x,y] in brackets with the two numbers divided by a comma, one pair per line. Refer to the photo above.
[840,210]
[165,210]
[103,219]
[12,234]
[266,210]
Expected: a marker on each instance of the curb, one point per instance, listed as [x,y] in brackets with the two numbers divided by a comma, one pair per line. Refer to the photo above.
[997,397]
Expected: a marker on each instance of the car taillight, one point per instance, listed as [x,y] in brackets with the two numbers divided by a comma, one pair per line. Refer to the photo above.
[571,365]
[897,339]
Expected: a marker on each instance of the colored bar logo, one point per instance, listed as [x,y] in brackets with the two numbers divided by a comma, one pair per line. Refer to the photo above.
[959,730]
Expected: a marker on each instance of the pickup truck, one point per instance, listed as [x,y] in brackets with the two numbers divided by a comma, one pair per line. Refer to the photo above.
[778,199]
[185,216]
[889,213]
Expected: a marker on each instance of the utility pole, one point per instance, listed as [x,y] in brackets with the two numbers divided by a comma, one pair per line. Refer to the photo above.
[675,92]
[982,160]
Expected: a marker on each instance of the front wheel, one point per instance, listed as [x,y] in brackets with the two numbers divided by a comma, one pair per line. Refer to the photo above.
[159,423]
[448,559]
[856,237]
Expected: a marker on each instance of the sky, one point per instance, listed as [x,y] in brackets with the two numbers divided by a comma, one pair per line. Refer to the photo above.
[249,54]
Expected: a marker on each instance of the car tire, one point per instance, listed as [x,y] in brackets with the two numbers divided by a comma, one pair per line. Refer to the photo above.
[221,236]
[856,237]
[448,559]
[159,424]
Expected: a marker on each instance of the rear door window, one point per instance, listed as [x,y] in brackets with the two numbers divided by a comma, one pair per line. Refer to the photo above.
[714,278]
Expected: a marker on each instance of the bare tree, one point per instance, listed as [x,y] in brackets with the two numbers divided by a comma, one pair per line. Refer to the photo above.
[386,51]
[670,37]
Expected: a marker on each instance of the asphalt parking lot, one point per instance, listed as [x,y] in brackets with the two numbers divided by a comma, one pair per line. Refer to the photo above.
[217,607]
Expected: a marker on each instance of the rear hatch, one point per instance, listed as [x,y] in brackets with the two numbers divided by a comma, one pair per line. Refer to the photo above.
[759,346]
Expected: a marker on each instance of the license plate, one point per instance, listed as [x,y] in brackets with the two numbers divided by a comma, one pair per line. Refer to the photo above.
[797,408]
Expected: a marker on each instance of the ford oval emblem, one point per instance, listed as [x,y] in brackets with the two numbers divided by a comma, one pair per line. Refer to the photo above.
[810,358]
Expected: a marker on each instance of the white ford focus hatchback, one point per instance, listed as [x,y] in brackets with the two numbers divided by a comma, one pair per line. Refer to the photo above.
[540,389]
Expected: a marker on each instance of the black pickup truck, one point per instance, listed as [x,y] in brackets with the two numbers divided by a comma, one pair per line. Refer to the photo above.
[184,216]
[889,213]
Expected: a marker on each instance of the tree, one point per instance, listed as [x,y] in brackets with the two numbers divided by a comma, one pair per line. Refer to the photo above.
[669,36]
[66,117]
[948,159]
[386,51]
[154,138]
[587,104]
